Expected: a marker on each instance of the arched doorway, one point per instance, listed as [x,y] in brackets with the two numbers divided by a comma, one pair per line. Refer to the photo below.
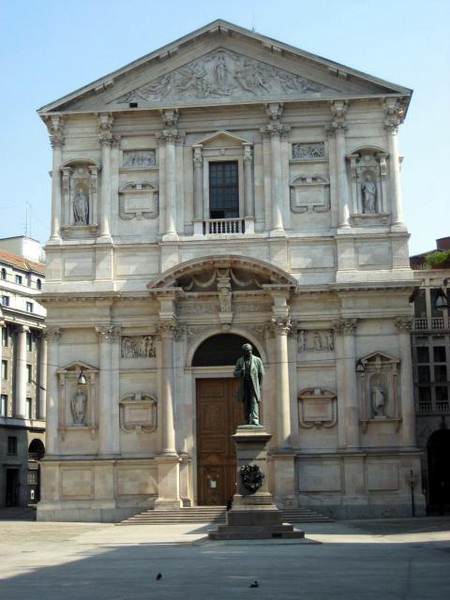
[218,415]
[36,452]
[439,470]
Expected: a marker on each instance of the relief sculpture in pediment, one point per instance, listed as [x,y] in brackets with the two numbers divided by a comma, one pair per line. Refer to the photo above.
[222,74]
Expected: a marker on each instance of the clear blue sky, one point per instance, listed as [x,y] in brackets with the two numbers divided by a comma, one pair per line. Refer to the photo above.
[50,48]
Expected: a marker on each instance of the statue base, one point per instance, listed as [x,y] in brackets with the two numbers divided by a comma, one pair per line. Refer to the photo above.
[253,514]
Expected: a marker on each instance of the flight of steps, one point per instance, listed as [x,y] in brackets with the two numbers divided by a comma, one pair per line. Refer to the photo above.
[214,515]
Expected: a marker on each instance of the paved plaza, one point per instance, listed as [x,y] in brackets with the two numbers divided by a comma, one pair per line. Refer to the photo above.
[404,559]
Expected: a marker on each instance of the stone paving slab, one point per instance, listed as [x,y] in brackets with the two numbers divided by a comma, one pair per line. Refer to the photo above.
[383,560]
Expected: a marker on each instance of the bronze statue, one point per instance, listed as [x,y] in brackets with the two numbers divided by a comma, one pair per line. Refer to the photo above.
[250,371]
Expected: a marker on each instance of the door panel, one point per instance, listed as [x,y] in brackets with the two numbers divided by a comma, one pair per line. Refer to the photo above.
[218,415]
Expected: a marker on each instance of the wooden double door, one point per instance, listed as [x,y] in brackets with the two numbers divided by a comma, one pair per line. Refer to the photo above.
[218,415]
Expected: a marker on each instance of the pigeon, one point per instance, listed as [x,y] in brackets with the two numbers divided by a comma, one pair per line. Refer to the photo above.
[254,584]
[158,577]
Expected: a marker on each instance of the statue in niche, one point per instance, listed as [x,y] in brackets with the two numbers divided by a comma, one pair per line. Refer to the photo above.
[369,192]
[81,208]
[250,372]
[378,399]
[78,407]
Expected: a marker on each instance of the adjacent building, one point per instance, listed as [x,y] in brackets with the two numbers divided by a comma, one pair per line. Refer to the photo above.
[228,188]
[431,362]
[23,371]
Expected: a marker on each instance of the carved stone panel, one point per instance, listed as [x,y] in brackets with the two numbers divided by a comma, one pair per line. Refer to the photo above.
[138,346]
[317,407]
[138,201]
[138,412]
[222,74]
[310,151]
[310,193]
[139,159]
[319,340]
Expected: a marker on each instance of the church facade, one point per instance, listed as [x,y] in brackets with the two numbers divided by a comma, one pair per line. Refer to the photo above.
[228,189]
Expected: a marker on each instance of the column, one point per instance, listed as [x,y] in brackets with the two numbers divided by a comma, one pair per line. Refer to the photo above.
[394,117]
[198,183]
[21,372]
[105,123]
[52,335]
[339,126]
[347,384]
[42,377]
[403,325]
[249,210]
[274,131]
[166,331]
[105,397]
[115,387]
[168,139]
[281,328]
[55,128]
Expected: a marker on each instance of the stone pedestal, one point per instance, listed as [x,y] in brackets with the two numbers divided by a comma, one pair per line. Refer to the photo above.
[253,514]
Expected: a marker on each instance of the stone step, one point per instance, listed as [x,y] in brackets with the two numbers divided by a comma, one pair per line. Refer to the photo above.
[214,514]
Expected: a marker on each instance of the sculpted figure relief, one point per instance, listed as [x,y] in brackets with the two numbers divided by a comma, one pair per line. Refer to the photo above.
[378,400]
[78,407]
[369,192]
[250,372]
[222,73]
[81,208]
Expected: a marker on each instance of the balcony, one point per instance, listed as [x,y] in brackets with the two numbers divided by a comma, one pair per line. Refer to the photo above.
[432,324]
[224,227]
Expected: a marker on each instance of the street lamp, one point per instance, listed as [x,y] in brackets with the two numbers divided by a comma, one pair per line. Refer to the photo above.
[441,300]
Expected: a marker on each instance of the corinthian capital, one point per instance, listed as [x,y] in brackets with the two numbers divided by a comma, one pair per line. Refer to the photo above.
[107,332]
[394,112]
[55,129]
[167,328]
[339,112]
[281,325]
[105,123]
[52,334]
[403,323]
[346,326]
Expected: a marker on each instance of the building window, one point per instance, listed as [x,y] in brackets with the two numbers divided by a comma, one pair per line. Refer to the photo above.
[29,408]
[4,405]
[29,307]
[38,284]
[28,279]
[3,273]
[5,337]
[223,190]
[431,374]
[29,337]
[4,369]
[18,279]
[29,373]
[5,300]
[12,444]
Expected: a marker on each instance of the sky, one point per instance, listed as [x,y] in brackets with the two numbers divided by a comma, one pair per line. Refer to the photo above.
[50,48]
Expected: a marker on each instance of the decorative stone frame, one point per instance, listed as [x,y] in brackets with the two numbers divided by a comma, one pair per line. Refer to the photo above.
[368,162]
[317,407]
[379,370]
[223,146]
[138,200]
[79,176]
[310,194]
[138,413]
[68,387]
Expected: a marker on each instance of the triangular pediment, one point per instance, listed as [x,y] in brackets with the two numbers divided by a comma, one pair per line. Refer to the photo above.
[222,64]
[222,138]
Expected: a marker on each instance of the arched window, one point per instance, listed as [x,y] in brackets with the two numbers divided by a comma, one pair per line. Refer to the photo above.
[220,350]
